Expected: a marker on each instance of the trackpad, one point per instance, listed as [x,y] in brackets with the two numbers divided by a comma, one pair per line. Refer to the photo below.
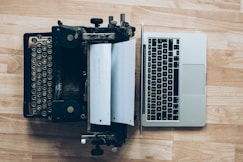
[193,79]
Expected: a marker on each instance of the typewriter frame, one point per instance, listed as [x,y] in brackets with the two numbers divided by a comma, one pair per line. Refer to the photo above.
[76,39]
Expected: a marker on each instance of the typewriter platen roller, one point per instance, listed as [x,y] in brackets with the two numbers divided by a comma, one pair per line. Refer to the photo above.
[55,76]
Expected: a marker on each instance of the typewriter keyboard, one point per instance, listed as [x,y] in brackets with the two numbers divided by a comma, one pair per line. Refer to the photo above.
[41,75]
[162,75]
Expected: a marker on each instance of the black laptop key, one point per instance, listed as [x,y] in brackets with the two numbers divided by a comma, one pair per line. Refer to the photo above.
[158,116]
[176,82]
[170,44]
[164,115]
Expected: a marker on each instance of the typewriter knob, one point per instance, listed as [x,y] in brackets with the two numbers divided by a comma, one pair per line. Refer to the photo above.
[96,21]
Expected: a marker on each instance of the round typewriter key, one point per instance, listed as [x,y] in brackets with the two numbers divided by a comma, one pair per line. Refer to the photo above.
[33,48]
[49,40]
[44,100]
[39,76]
[33,78]
[39,50]
[44,42]
[49,83]
[33,67]
[34,40]
[33,60]
[39,44]
[49,89]
[49,46]
[33,104]
[49,96]
[44,48]
[44,74]
[33,72]
[49,109]
[33,85]
[38,88]
[33,97]
[49,103]
[44,113]
[49,77]
[44,67]
[38,101]
[44,87]
[49,64]
[39,107]
[44,80]
[49,57]
[44,54]
[38,69]
[44,105]
[44,93]
[39,56]
[33,54]
[39,94]
[49,51]
[49,70]
[38,82]
[34,111]
[33,91]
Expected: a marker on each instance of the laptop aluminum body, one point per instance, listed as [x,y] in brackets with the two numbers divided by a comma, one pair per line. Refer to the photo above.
[186,106]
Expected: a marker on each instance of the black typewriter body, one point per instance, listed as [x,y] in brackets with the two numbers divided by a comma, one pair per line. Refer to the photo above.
[55,76]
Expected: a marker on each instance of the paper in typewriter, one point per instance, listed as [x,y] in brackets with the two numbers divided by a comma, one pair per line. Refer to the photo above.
[100,84]
[112,83]
[123,82]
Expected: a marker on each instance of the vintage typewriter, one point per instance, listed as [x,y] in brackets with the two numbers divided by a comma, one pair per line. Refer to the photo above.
[55,76]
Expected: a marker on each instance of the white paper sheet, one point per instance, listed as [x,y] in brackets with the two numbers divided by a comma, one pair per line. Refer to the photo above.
[123,82]
[100,84]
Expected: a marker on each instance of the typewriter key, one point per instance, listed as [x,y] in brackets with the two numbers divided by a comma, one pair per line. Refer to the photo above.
[34,40]
[44,48]
[33,97]
[39,50]
[44,67]
[33,60]
[49,51]
[39,56]
[38,69]
[38,101]
[44,113]
[49,109]
[49,103]
[44,54]
[49,77]
[49,64]
[44,42]
[49,57]
[49,83]
[49,46]
[33,54]
[33,78]
[44,80]
[44,93]
[44,106]
[33,91]
[38,45]
[33,104]
[33,48]
[49,96]
[49,70]
[44,100]
[33,85]
[39,107]
[44,74]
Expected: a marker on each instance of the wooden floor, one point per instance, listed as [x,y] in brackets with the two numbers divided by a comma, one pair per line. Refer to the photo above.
[222,138]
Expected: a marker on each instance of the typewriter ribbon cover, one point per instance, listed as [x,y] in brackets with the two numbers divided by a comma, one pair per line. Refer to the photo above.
[112,83]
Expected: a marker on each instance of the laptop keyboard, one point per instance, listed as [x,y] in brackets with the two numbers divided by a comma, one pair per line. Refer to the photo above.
[162,75]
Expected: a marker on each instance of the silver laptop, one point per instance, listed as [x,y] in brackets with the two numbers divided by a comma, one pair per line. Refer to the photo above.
[173,80]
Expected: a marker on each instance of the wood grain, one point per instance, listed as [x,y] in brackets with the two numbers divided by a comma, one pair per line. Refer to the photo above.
[221,139]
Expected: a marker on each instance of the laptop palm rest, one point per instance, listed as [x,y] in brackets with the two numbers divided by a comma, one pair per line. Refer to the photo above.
[193,97]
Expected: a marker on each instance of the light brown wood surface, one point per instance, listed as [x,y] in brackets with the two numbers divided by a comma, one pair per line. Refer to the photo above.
[37,140]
